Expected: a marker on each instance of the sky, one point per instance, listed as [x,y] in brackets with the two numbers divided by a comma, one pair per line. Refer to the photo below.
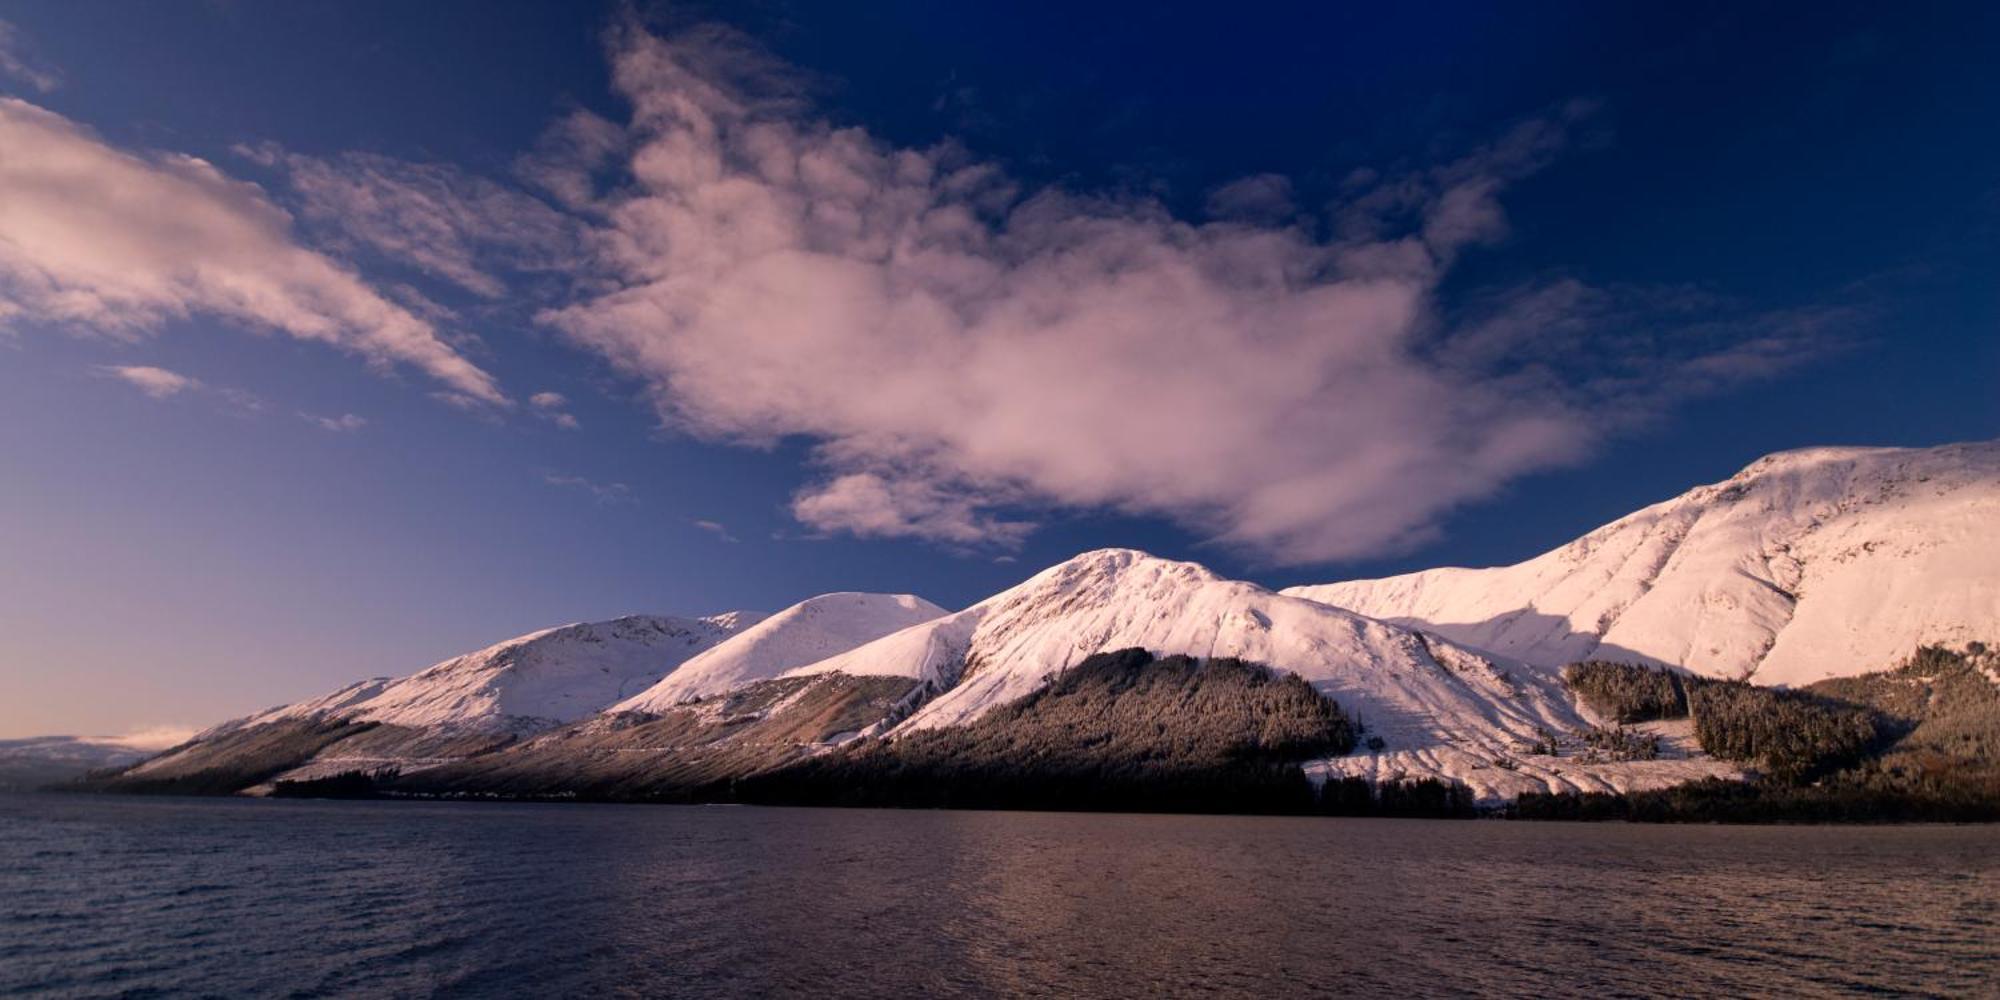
[336,340]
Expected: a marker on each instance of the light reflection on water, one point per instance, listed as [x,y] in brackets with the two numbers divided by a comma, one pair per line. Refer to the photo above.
[104,896]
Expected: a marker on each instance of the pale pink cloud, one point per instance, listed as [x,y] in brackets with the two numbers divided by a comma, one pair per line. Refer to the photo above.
[101,239]
[454,225]
[961,350]
[716,528]
[163,383]
[572,157]
[345,423]
[958,348]
[871,505]
[553,407]
[159,383]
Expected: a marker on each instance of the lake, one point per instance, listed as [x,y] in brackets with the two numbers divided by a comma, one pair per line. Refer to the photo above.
[135,896]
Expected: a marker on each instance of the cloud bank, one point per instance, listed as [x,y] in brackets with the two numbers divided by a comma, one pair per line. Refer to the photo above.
[959,348]
[98,238]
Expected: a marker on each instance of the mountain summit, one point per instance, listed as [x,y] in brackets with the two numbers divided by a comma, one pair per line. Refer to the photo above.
[1805,565]
[806,632]
[529,682]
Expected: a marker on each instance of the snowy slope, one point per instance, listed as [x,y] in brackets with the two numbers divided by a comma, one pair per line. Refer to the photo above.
[804,633]
[1805,565]
[1441,710]
[531,682]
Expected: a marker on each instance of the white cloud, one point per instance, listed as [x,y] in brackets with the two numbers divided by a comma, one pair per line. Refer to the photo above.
[958,349]
[605,493]
[340,424]
[98,238]
[17,63]
[962,353]
[872,505]
[159,383]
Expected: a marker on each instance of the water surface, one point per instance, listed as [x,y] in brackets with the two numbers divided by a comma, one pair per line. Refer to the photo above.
[117,896]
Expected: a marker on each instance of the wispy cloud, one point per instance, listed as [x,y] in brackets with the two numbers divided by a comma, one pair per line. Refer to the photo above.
[963,350]
[451,224]
[163,383]
[552,406]
[110,241]
[716,528]
[159,383]
[1264,198]
[875,505]
[605,493]
[344,423]
[17,63]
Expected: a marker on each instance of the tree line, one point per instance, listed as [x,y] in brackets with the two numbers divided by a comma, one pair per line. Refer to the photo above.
[1792,735]
[1920,742]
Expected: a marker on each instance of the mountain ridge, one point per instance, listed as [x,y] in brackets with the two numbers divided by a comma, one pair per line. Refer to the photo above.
[806,632]
[1778,573]
[679,709]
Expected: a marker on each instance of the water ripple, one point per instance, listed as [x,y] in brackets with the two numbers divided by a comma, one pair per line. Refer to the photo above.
[174,897]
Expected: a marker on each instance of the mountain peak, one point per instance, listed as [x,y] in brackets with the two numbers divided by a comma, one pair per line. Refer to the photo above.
[1806,564]
[1113,567]
[547,676]
[735,621]
[1962,459]
[809,631]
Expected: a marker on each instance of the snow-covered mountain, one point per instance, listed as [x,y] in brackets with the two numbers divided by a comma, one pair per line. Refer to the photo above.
[1440,710]
[804,633]
[1807,564]
[1008,645]
[527,683]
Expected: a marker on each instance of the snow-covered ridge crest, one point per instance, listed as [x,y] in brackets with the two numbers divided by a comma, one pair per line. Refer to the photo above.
[1440,710]
[1806,564]
[1009,645]
[544,678]
[804,633]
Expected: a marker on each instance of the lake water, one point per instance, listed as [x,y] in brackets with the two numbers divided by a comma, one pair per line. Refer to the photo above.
[108,896]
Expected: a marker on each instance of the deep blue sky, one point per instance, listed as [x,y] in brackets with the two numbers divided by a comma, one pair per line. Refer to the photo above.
[176,561]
